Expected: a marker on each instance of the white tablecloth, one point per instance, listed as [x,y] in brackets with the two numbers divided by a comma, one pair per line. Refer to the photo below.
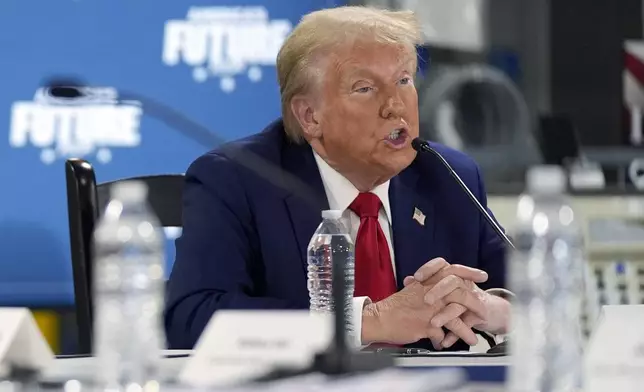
[83,368]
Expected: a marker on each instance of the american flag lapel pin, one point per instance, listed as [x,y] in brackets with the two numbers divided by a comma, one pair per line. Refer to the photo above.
[419,216]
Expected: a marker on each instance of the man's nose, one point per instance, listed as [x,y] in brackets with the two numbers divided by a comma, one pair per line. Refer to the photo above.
[393,107]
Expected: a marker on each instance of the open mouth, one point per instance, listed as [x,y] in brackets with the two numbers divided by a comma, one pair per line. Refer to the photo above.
[397,138]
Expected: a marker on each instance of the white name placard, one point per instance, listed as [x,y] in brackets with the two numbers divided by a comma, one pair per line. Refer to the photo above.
[615,354]
[22,344]
[238,345]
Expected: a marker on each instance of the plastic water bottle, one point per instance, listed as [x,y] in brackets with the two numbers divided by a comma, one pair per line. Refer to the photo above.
[128,290]
[546,274]
[330,240]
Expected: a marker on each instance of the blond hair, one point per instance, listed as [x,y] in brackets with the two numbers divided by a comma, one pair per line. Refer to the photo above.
[321,31]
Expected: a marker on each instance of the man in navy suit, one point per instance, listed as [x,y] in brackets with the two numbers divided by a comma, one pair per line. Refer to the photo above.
[350,111]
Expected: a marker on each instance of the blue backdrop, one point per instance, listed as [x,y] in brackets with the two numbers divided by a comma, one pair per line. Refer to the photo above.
[211,60]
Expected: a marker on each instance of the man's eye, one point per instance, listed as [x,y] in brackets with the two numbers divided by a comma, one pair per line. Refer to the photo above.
[364,89]
[405,80]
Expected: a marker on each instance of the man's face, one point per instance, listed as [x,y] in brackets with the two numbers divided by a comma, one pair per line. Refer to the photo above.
[368,112]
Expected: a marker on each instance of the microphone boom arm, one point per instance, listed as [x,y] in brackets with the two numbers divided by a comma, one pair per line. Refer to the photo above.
[421,145]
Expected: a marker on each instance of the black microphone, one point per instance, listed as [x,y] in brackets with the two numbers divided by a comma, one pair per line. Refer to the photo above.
[421,145]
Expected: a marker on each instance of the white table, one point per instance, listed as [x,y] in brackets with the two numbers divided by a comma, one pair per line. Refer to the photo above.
[83,368]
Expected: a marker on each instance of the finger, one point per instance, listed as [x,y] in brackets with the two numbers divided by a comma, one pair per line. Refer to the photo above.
[430,268]
[449,341]
[469,319]
[468,299]
[449,312]
[464,272]
[436,335]
[443,288]
[436,343]
[458,327]
[408,280]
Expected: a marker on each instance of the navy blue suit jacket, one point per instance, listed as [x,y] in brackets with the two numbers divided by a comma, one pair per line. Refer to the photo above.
[244,237]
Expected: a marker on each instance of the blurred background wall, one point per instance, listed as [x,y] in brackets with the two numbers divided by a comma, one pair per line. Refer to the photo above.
[213,60]
[568,60]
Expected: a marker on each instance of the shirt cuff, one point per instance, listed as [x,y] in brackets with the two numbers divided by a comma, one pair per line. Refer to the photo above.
[355,335]
[503,293]
[508,296]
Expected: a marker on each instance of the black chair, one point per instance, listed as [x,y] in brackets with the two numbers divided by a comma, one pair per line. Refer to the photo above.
[85,202]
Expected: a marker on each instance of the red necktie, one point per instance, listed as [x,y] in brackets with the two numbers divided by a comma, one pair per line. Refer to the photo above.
[374,274]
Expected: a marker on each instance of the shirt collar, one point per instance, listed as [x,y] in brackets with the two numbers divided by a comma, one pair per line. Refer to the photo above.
[340,192]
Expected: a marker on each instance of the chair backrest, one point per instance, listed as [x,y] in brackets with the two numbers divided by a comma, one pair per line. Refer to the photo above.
[85,202]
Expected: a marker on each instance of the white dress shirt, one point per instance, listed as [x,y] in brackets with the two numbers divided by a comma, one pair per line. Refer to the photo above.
[340,193]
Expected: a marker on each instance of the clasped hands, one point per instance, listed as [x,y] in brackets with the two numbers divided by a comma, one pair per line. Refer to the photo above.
[438,295]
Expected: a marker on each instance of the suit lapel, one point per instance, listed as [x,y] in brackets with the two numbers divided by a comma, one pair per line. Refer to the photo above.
[414,243]
[413,240]
[304,206]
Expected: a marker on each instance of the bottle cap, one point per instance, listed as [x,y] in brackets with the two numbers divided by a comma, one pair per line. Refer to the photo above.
[129,191]
[331,214]
[546,179]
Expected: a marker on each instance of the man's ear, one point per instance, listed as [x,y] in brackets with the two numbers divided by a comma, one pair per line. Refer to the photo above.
[306,113]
